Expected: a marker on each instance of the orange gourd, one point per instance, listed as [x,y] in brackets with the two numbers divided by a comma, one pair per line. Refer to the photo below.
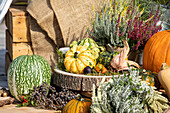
[79,105]
[151,78]
[157,51]
[100,68]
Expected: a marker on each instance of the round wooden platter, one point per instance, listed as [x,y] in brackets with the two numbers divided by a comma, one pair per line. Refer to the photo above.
[77,82]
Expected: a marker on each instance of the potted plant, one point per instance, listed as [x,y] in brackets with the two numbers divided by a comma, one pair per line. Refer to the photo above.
[142,31]
[125,20]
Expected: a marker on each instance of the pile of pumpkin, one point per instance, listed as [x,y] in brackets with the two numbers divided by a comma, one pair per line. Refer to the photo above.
[28,71]
[86,57]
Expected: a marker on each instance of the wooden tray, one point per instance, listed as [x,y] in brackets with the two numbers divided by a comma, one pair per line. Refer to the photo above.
[78,82]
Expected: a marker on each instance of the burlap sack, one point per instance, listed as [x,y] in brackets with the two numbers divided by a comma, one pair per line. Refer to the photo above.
[42,44]
[73,17]
[42,12]
[58,23]
[45,32]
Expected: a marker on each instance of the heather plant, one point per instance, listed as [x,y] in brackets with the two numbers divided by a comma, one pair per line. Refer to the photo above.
[127,94]
[125,20]
[111,25]
[143,30]
[147,5]
[152,5]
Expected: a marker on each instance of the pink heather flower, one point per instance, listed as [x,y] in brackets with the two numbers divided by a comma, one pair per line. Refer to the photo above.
[142,32]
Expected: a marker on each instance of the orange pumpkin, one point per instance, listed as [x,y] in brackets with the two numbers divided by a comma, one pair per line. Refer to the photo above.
[79,105]
[100,67]
[157,51]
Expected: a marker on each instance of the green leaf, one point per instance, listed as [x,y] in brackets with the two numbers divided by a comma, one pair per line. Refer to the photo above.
[32,102]
[25,104]
[19,105]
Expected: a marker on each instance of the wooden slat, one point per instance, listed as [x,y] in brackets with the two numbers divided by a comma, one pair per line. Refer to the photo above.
[17,23]
[8,21]
[15,11]
[16,1]
[21,31]
[18,10]
[17,49]
[21,49]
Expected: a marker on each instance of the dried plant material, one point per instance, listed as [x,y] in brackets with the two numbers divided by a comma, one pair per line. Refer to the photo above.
[6,100]
[119,62]
[127,94]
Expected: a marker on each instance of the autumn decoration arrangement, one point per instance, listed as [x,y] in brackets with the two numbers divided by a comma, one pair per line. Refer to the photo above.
[117,30]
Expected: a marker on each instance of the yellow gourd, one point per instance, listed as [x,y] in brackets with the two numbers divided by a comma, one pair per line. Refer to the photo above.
[164,78]
[78,57]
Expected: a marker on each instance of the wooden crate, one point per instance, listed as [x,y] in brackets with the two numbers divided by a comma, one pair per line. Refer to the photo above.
[18,41]
[16,1]
[16,49]
[17,22]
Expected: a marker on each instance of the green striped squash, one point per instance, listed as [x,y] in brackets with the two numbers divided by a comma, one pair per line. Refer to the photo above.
[87,42]
[91,44]
[25,72]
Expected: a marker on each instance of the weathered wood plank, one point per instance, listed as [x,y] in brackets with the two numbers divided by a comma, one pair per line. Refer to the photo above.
[81,83]
[9,42]
[21,31]
[21,49]
[17,22]
[17,49]
[18,11]
[6,100]
[16,1]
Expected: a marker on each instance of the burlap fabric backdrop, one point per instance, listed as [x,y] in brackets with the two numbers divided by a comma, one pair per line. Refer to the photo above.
[56,23]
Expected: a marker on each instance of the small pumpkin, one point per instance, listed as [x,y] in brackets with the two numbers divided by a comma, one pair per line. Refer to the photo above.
[106,57]
[150,77]
[79,105]
[157,51]
[78,57]
[100,68]
[164,78]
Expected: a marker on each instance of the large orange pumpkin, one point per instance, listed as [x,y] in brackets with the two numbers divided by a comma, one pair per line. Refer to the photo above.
[157,51]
